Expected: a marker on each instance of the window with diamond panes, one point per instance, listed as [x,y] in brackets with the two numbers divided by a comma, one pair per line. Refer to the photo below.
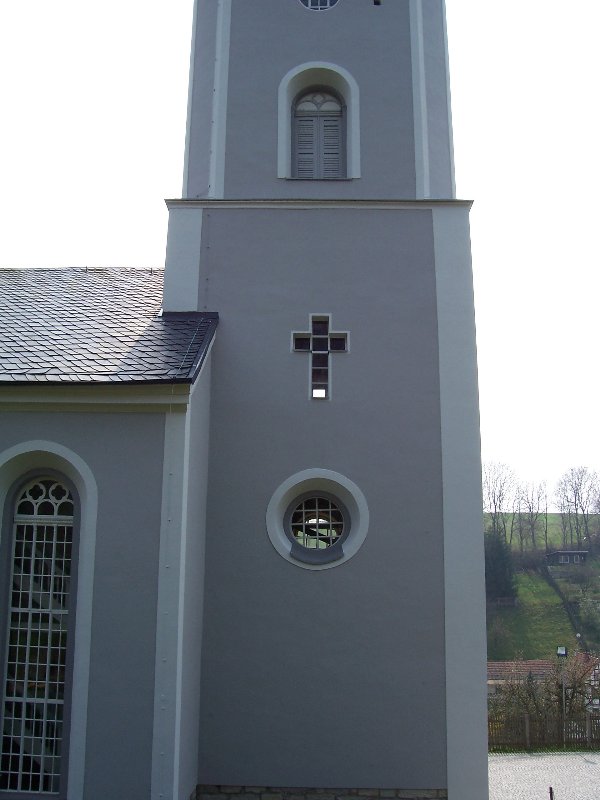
[320,342]
[35,650]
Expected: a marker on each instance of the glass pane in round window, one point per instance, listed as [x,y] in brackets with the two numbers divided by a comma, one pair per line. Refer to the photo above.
[318,5]
[317,523]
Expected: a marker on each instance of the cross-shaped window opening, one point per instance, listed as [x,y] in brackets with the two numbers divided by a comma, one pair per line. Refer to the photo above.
[320,342]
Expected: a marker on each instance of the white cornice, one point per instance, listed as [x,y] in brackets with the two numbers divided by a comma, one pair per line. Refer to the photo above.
[147,398]
[337,203]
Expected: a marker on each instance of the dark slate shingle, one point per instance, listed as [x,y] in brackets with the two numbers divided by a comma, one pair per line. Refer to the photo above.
[96,325]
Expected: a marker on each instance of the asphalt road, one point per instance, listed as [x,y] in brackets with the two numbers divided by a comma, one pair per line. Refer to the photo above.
[523,776]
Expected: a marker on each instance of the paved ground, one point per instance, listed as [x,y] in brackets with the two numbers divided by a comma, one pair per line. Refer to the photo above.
[520,776]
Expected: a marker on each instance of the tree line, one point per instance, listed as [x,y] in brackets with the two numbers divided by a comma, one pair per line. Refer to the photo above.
[517,511]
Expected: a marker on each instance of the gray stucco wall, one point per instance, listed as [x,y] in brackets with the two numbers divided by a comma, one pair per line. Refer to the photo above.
[334,677]
[373,43]
[124,452]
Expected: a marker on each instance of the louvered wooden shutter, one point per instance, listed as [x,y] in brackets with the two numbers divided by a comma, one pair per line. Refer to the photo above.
[306,146]
[318,138]
[331,147]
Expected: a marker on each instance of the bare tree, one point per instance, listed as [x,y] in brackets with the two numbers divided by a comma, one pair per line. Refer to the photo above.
[546,518]
[498,492]
[576,494]
[565,523]
[517,522]
[533,509]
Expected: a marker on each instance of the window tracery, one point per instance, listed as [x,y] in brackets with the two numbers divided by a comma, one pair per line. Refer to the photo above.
[318,5]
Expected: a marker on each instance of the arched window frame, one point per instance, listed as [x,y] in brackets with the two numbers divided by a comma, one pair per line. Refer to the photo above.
[300,79]
[9,521]
[17,462]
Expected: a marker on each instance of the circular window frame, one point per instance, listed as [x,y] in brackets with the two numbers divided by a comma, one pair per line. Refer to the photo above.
[311,483]
[332,4]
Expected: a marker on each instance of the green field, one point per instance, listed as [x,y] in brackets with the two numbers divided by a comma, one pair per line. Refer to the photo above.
[534,628]
[555,534]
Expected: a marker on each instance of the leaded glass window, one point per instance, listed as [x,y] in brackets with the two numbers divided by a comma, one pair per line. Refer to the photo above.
[35,649]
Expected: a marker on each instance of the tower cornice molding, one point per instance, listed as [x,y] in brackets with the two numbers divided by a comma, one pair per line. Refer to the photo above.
[316,203]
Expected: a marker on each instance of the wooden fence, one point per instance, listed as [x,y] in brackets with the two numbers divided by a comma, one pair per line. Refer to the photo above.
[543,732]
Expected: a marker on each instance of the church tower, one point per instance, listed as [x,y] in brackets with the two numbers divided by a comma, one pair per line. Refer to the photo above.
[343,637]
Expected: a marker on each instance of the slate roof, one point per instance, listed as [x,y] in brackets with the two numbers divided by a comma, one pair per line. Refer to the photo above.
[86,326]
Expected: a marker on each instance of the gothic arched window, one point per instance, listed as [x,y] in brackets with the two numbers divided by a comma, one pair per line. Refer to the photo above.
[38,638]
[318,131]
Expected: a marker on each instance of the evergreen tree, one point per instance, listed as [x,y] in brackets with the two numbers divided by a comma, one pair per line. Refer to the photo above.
[499,568]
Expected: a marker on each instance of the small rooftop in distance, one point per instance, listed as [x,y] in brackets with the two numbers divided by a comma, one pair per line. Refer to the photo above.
[540,668]
[505,670]
[96,326]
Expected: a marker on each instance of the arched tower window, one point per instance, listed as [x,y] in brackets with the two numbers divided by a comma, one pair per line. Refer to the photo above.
[340,106]
[318,130]
[38,638]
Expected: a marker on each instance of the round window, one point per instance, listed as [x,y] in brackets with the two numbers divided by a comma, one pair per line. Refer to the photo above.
[318,5]
[317,519]
[316,523]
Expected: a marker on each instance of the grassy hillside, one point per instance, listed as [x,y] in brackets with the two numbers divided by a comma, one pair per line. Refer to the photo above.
[539,623]
[534,628]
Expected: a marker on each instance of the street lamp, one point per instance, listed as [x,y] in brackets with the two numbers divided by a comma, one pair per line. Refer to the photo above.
[562,652]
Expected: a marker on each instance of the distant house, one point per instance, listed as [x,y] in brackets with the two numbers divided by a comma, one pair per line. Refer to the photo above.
[562,557]
[499,672]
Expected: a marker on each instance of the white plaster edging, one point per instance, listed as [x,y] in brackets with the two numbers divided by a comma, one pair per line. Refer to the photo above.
[325,480]
[40,454]
[219,110]
[167,682]
[188,125]
[422,188]
[449,96]
[303,76]
[182,265]
[465,634]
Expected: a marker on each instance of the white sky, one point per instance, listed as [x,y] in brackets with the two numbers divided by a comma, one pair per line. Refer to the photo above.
[93,101]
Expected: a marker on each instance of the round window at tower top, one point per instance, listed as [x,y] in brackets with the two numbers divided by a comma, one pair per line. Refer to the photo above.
[318,5]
